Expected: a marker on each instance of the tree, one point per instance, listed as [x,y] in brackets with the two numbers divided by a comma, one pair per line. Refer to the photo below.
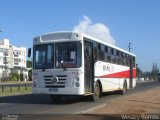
[138,71]
[146,75]
[30,74]
[15,77]
[155,71]
[29,64]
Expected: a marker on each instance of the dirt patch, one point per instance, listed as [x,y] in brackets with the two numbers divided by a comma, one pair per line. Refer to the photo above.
[146,102]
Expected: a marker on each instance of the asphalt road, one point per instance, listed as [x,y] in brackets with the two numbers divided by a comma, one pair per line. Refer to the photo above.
[42,104]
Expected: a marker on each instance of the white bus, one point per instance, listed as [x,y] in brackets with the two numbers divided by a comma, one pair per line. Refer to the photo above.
[70,63]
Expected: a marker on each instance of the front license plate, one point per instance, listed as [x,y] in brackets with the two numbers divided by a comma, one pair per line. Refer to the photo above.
[53,89]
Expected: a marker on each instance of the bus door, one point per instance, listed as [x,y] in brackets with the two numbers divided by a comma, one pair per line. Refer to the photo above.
[88,66]
[131,72]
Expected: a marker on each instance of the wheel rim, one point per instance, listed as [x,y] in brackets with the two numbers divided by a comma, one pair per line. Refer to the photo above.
[96,91]
[125,89]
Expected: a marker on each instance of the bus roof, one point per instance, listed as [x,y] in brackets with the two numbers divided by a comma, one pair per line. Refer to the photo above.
[64,34]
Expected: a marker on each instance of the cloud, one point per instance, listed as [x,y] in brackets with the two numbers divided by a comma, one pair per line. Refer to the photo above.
[97,30]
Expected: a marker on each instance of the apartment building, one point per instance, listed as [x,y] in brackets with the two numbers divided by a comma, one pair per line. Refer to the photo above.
[12,60]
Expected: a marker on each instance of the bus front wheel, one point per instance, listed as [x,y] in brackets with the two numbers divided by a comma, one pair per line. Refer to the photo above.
[97,92]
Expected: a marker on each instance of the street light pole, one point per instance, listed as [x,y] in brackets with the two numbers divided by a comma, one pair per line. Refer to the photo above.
[129,46]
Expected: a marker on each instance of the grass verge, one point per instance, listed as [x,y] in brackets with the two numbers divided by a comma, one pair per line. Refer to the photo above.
[15,91]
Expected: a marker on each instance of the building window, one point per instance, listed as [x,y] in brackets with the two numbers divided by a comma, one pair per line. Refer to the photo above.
[16,61]
[5,60]
[5,52]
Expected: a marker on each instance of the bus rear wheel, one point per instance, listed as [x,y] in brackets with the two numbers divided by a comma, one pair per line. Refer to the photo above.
[124,90]
[97,91]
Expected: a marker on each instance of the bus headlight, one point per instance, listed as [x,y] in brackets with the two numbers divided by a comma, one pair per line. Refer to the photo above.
[76,81]
[77,84]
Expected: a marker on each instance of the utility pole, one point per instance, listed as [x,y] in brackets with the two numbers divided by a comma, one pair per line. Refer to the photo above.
[129,46]
[131,68]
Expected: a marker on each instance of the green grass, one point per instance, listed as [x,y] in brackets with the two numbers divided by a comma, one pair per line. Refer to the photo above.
[12,82]
[14,91]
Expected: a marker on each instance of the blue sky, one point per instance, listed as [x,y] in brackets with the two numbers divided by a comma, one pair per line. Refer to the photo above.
[135,21]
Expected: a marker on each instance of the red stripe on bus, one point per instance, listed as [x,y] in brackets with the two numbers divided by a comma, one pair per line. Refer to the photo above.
[123,74]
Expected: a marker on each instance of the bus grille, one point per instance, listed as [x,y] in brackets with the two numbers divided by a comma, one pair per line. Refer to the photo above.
[55,82]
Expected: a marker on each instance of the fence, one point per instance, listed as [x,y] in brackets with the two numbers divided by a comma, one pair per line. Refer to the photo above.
[17,86]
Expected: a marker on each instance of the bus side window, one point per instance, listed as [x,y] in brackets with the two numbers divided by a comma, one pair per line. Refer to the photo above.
[101,52]
[122,58]
[118,57]
[99,46]
[134,62]
[113,55]
[95,51]
[107,58]
[127,59]
[106,49]
[109,54]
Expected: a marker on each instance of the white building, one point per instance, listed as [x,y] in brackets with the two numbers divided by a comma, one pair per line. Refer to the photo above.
[12,59]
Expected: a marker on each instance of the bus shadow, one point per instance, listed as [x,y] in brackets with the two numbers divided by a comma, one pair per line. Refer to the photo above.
[45,99]
[26,99]
[41,99]
[76,99]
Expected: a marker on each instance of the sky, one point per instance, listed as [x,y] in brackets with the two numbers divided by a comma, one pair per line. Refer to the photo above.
[120,22]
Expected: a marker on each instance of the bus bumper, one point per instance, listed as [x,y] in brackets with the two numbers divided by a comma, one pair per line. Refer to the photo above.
[58,91]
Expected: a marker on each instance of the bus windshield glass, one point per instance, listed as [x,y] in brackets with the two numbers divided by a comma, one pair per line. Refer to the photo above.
[43,56]
[68,54]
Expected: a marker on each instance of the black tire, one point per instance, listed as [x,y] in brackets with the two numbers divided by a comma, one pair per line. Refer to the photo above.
[124,90]
[97,91]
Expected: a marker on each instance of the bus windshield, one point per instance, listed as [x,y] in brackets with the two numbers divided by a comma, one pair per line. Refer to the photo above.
[67,54]
[43,56]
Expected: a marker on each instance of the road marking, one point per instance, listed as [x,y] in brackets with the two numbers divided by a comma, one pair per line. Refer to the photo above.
[91,109]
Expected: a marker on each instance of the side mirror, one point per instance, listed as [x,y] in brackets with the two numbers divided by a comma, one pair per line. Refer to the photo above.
[29,52]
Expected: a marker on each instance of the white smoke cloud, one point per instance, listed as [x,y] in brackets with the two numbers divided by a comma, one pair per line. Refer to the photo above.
[97,30]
